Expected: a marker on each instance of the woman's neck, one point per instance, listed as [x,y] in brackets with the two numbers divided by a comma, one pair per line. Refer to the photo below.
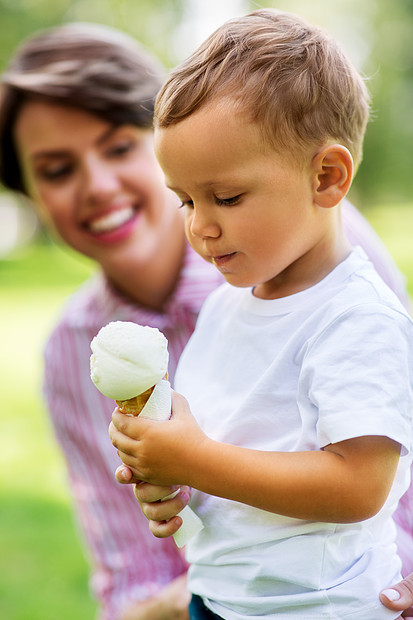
[151,285]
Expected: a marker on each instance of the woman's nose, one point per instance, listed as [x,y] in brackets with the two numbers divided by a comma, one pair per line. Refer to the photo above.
[100,180]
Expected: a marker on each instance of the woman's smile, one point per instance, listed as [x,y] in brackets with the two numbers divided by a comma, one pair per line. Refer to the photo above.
[113,226]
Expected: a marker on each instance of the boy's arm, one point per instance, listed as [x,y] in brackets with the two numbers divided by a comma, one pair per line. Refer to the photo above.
[346,482]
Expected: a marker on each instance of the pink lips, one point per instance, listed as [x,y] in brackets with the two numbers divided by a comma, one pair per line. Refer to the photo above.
[223,260]
[113,227]
[119,234]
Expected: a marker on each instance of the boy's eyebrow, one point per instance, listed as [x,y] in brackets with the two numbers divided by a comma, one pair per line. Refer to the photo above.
[208,184]
[106,135]
[173,189]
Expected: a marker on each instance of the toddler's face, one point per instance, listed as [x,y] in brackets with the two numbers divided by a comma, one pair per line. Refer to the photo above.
[247,210]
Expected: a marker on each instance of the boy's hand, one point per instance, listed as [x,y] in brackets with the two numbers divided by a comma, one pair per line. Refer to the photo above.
[125,476]
[149,497]
[161,513]
[161,453]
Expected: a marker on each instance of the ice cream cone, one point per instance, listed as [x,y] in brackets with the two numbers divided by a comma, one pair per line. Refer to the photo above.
[126,358]
[133,406]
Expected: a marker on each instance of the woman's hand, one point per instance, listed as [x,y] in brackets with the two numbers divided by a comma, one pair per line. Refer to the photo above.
[170,604]
[400,597]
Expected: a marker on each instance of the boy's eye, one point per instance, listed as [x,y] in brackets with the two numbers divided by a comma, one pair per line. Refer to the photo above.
[227,202]
[186,203]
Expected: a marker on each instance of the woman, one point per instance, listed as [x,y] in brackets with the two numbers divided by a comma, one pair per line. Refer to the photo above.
[76,137]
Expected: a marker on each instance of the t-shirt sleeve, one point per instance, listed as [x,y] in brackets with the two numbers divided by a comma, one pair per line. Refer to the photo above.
[358,375]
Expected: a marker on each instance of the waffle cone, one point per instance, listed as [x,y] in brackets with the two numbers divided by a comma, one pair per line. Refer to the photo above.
[134,405]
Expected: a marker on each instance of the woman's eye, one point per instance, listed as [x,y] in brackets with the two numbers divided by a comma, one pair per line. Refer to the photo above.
[227,202]
[56,173]
[121,148]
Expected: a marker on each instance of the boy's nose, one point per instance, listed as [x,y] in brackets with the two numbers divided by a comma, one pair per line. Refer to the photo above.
[202,224]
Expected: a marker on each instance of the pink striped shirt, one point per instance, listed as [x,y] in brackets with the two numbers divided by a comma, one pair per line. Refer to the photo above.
[129,564]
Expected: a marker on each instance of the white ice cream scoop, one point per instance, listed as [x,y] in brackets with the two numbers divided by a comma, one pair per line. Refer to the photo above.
[127,359]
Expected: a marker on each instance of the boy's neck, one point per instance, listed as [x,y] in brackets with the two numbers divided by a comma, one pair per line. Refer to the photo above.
[309,269]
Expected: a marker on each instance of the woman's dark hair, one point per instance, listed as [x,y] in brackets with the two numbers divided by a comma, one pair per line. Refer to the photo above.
[82,65]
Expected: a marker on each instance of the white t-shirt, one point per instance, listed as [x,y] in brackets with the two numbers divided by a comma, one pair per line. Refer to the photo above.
[327,364]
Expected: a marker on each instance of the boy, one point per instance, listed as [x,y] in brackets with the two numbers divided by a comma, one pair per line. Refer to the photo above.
[300,374]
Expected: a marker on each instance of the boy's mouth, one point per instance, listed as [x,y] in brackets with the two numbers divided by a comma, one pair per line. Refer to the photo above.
[222,259]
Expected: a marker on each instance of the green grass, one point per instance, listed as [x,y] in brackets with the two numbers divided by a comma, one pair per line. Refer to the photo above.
[44,265]
[43,568]
[44,575]
[44,572]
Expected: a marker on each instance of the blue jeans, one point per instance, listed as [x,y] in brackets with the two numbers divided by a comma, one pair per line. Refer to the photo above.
[198,611]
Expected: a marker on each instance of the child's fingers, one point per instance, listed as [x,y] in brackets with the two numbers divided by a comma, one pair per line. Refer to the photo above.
[124,475]
[163,529]
[146,492]
[158,511]
[122,442]
[163,510]
[126,424]
[120,422]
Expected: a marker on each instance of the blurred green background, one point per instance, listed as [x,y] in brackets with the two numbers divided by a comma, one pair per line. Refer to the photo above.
[43,567]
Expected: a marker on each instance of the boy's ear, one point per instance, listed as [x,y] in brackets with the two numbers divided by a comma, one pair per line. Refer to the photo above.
[332,175]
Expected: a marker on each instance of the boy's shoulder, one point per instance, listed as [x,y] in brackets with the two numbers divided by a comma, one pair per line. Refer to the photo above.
[362,285]
[355,305]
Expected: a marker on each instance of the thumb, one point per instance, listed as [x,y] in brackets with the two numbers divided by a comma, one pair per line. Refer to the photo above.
[400,596]
[124,475]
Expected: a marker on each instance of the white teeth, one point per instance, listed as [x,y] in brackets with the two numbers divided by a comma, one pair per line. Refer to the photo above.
[112,220]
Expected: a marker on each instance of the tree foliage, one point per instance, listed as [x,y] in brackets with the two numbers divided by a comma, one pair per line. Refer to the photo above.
[386,173]
[376,34]
[150,21]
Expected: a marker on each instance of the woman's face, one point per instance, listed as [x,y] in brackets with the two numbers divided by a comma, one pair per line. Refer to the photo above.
[98,186]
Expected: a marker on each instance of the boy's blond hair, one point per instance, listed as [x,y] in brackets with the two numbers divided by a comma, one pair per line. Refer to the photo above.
[290,77]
